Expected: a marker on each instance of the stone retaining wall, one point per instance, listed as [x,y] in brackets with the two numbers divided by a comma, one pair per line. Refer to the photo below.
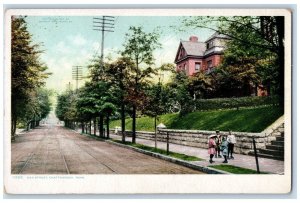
[199,138]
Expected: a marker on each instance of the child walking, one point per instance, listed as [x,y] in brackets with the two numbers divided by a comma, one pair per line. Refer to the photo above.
[224,149]
[211,147]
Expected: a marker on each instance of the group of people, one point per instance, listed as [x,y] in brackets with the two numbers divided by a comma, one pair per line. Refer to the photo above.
[218,144]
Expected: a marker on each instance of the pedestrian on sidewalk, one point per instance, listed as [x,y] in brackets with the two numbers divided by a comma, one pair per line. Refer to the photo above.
[224,149]
[231,141]
[218,140]
[211,147]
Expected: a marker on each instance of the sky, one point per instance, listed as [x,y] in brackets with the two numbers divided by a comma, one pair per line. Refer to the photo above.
[69,41]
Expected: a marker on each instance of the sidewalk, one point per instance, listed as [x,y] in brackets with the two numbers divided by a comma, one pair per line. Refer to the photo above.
[245,161]
[265,165]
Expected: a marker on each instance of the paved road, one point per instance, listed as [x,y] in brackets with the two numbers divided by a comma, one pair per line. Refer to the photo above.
[52,149]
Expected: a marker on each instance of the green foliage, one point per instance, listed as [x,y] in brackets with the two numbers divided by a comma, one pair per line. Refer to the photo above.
[139,47]
[235,169]
[243,120]
[28,101]
[108,108]
[180,94]
[230,103]
[64,106]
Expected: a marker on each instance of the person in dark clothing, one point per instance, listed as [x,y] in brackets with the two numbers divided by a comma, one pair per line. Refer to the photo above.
[231,141]
[218,141]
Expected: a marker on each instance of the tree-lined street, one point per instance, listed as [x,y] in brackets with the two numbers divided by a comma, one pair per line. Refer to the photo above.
[51,149]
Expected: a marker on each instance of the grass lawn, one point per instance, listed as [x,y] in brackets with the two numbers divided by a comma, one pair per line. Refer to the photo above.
[161,151]
[235,169]
[242,120]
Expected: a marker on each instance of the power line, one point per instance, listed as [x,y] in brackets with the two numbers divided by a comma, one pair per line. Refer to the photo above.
[98,48]
[77,74]
[103,24]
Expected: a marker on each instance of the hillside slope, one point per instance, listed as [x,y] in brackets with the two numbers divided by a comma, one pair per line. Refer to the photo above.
[243,120]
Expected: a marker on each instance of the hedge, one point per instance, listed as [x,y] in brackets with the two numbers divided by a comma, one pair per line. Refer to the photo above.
[230,103]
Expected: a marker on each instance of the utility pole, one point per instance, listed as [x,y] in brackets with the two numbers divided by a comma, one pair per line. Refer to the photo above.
[103,24]
[77,74]
[69,88]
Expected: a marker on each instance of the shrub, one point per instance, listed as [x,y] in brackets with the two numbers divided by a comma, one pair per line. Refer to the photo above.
[230,103]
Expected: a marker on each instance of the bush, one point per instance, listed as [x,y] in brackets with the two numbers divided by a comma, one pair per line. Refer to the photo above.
[231,103]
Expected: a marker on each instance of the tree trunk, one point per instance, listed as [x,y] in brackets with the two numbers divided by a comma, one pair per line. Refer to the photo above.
[133,123]
[134,105]
[155,130]
[123,121]
[13,127]
[280,32]
[27,126]
[95,126]
[107,126]
[82,127]
[101,125]
[90,127]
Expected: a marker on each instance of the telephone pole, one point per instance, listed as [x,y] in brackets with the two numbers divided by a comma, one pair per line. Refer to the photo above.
[77,74]
[69,87]
[103,24]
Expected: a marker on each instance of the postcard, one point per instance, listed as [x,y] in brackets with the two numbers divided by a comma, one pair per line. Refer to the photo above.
[147,101]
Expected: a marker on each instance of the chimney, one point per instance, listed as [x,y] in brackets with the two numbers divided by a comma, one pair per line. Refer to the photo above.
[193,39]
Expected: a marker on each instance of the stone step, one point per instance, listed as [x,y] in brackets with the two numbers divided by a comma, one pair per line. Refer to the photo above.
[279,143]
[268,156]
[279,138]
[271,152]
[275,147]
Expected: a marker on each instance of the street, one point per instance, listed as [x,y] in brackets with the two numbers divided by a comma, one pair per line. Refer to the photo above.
[51,149]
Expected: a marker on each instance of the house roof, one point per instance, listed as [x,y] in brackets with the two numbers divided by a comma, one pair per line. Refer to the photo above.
[199,49]
[217,35]
[194,48]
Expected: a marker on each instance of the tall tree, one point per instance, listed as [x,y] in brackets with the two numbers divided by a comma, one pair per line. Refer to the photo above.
[120,72]
[27,71]
[139,47]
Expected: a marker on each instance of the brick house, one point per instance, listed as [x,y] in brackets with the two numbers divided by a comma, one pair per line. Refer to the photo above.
[194,55]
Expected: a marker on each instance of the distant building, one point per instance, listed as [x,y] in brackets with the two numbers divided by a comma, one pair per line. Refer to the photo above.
[194,55]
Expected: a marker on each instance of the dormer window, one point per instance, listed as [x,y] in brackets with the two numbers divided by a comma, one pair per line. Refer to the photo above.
[209,45]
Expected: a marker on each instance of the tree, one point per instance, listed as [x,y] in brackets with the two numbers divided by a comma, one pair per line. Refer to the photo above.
[139,47]
[27,71]
[65,109]
[108,109]
[202,85]
[180,93]
[119,72]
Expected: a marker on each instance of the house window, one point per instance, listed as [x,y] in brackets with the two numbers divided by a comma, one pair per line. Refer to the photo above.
[209,64]
[181,53]
[197,66]
[185,67]
[209,45]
